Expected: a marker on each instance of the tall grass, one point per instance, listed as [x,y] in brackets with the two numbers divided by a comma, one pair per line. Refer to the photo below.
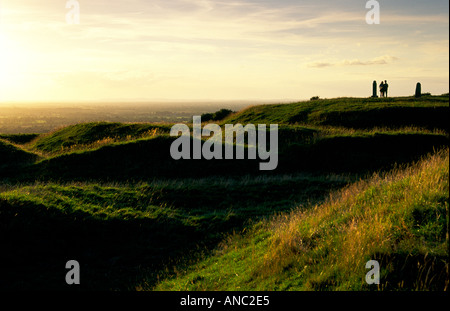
[145,224]
[403,212]
[399,218]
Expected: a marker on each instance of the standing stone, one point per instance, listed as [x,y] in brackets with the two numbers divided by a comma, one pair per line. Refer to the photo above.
[418,90]
[374,89]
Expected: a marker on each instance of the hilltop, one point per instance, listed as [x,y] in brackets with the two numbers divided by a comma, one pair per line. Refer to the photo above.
[428,112]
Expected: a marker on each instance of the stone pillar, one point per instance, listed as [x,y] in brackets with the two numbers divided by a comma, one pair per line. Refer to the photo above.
[418,89]
[374,89]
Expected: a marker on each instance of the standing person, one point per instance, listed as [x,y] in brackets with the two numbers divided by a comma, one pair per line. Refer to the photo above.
[386,86]
[382,89]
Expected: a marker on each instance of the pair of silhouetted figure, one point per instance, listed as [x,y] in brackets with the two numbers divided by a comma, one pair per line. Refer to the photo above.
[384,88]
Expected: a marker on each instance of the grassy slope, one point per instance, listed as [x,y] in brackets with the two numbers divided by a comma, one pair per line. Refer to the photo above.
[399,219]
[19,138]
[92,135]
[123,230]
[428,112]
[13,156]
[124,226]
[114,151]
[149,158]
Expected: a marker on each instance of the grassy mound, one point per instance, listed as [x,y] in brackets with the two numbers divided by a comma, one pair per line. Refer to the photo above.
[12,157]
[399,219]
[110,196]
[354,135]
[141,159]
[19,138]
[92,135]
[300,151]
[427,112]
[118,232]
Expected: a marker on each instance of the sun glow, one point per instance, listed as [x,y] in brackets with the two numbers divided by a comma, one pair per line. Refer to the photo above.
[13,66]
[6,59]
[216,50]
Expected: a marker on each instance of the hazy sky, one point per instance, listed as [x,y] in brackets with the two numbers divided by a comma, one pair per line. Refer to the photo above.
[207,49]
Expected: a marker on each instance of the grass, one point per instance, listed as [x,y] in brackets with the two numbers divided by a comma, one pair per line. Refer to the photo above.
[319,149]
[110,196]
[87,136]
[13,156]
[19,138]
[360,113]
[129,228]
[399,218]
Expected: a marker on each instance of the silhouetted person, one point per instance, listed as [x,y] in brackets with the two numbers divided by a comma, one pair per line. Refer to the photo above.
[386,86]
[382,89]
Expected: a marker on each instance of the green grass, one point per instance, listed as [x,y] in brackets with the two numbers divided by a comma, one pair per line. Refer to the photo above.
[110,195]
[362,113]
[124,229]
[381,132]
[92,135]
[13,156]
[399,218]
[301,148]
[19,138]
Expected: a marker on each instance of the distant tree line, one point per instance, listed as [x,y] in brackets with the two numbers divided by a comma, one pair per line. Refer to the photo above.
[216,116]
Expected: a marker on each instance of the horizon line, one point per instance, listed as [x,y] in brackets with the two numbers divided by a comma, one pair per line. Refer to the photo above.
[180,101]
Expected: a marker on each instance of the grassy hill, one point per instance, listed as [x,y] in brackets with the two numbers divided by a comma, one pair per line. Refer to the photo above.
[110,195]
[18,138]
[301,150]
[12,157]
[93,135]
[335,135]
[125,232]
[399,218]
[430,112]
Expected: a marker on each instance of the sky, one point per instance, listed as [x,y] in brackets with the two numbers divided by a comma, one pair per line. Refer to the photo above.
[138,50]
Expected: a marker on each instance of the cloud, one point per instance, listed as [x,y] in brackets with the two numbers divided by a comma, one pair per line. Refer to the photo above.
[319,65]
[381,60]
[185,47]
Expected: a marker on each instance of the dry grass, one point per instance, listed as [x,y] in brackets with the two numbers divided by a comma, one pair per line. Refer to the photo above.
[399,218]
[370,217]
